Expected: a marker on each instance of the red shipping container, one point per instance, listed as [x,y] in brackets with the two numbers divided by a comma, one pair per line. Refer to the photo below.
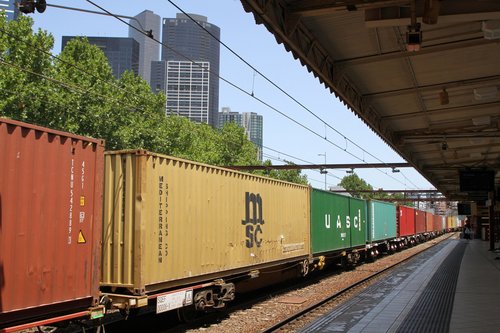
[50,222]
[419,221]
[437,223]
[429,221]
[406,221]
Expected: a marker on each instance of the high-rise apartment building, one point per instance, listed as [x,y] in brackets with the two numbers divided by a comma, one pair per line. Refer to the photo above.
[122,53]
[149,50]
[250,121]
[192,67]
[9,6]
[188,90]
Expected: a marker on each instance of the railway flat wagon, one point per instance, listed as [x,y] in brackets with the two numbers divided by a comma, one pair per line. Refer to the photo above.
[381,226]
[50,223]
[175,229]
[338,224]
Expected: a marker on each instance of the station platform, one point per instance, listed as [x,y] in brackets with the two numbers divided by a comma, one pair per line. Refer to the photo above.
[452,287]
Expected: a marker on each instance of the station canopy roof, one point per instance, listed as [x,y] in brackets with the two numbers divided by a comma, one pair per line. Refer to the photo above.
[424,74]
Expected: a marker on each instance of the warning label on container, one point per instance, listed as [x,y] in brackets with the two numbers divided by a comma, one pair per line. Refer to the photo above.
[81,238]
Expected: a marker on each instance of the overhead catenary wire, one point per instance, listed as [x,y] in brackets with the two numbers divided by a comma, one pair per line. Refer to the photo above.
[288,95]
[282,90]
[243,90]
[71,65]
[235,86]
[227,81]
[66,85]
[298,159]
[81,90]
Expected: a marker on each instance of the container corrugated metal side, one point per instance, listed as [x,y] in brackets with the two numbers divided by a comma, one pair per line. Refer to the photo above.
[437,222]
[329,231]
[381,221]
[419,221]
[338,222]
[406,221]
[452,222]
[50,221]
[429,221]
[358,221]
[169,222]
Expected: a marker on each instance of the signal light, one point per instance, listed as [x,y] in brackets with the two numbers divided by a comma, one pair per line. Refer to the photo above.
[29,6]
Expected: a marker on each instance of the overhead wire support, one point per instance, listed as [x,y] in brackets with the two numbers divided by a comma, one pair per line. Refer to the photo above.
[243,90]
[319,166]
[273,83]
[288,95]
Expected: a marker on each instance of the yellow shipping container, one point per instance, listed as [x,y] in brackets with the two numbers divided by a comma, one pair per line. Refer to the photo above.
[170,222]
[452,222]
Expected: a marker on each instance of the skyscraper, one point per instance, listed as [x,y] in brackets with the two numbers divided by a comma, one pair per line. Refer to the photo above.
[9,6]
[149,50]
[250,121]
[188,90]
[122,53]
[192,67]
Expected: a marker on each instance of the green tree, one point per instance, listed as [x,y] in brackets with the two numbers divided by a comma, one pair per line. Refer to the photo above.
[354,184]
[291,175]
[25,69]
[77,92]
[400,196]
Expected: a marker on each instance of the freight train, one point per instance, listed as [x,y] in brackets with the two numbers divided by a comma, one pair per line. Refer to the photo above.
[83,230]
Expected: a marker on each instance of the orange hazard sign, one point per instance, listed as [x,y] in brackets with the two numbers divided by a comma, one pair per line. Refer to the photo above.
[81,238]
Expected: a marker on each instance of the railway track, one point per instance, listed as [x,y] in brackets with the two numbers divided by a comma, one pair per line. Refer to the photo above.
[288,307]
[306,315]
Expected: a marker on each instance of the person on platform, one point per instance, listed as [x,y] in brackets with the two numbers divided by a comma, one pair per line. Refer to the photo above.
[467,230]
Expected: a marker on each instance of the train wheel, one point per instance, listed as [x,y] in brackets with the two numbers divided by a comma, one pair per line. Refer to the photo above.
[187,314]
[304,267]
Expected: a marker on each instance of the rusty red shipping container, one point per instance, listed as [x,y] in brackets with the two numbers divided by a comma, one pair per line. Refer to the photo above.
[50,221]
[419,221]
[406,221]
[437,223]
[429,222]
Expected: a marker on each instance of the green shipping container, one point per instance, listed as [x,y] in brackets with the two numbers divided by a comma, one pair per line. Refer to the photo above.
[337,222]
[358,215]
[381,221]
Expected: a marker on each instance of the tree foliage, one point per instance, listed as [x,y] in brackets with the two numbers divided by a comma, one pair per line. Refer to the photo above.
[294,176]
[77,92]
[354,184]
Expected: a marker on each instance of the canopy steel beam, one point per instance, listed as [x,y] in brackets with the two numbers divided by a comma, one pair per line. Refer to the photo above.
[319,166]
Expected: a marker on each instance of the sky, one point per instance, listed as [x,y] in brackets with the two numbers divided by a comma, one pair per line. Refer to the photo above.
[302,140]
